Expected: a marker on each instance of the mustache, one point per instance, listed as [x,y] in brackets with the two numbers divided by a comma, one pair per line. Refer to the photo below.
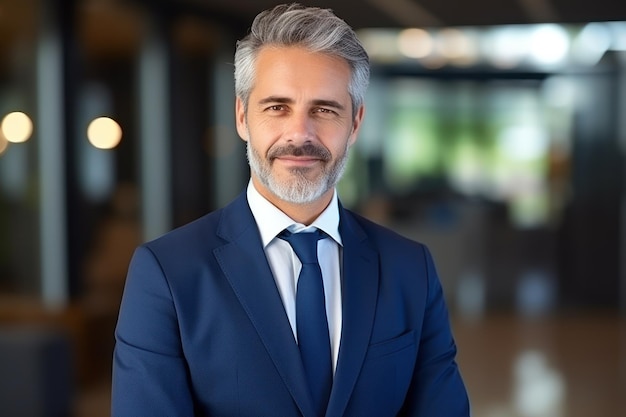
[308,149]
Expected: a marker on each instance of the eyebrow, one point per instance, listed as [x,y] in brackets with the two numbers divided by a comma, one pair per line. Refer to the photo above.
[316,102]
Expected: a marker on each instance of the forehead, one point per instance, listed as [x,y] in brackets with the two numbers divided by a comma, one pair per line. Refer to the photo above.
[296,68]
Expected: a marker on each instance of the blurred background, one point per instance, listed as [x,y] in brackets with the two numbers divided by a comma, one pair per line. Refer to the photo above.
[495,133]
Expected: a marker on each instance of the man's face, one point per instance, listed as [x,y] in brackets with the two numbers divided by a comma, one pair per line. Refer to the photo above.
[299,124]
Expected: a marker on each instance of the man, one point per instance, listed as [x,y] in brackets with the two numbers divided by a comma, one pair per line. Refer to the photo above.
[217,317]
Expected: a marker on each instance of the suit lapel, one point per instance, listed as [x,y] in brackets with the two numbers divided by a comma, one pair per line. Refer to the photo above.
[360,291]
[244,264]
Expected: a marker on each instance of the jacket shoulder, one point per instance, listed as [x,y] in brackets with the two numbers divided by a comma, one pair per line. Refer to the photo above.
[378,233]
[200,230]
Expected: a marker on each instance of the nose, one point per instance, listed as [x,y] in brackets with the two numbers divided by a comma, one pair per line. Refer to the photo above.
[299,127]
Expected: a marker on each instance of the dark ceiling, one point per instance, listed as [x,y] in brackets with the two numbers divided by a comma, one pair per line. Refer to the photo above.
[426,13]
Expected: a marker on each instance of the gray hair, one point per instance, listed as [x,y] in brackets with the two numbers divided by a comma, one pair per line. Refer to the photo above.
[317,30]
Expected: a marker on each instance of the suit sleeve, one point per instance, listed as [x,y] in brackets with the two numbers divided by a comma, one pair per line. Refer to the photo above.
[150,375]
[437,388]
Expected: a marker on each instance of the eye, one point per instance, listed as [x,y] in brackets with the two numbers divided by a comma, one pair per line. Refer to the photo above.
[276,108]
[324,111]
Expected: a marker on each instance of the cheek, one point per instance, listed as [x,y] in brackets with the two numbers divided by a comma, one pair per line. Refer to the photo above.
[264,132]
[340,143]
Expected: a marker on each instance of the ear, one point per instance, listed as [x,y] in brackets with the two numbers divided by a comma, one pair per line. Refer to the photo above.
[240,119]
[356,125]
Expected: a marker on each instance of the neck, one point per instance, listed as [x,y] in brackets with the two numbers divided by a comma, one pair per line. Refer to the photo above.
[305,213]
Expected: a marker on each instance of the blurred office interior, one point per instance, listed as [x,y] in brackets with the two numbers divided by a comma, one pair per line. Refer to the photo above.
[495,133]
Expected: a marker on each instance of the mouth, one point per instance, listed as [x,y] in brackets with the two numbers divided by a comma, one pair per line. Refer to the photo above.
[298,162]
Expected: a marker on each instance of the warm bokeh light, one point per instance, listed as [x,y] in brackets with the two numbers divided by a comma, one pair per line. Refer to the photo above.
[457,46]
[16,127]
[104,133]
[415,43]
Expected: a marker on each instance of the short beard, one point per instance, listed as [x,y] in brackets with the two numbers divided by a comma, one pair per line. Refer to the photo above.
[298,189]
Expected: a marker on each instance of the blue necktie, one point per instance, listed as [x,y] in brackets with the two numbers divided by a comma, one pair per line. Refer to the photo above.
[311,323]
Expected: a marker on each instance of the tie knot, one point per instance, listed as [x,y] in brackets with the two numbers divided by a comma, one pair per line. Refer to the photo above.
[304,244]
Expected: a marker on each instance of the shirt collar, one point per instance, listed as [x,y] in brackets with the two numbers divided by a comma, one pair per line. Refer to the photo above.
[271,221]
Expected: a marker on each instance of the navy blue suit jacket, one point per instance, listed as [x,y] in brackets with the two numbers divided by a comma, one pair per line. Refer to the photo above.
[202,330]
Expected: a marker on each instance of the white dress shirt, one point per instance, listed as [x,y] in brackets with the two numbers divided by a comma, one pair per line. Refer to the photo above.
[286,266]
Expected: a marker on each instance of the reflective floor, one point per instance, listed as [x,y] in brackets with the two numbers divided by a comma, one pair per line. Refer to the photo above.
[566,366]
